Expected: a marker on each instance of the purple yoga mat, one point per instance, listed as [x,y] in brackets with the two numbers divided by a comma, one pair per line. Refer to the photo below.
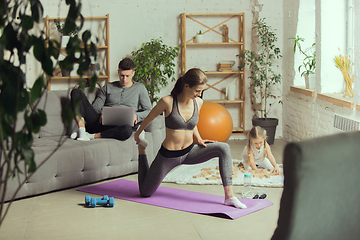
[177,199]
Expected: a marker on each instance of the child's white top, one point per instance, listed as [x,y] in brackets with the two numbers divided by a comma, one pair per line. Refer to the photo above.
[258,153]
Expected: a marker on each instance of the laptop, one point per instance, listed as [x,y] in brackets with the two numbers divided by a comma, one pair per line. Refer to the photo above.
[118,116]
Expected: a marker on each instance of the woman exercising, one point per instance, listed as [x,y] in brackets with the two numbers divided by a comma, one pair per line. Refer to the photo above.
[181,110]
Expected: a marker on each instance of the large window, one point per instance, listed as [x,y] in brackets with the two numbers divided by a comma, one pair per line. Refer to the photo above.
[334,19]
[333,42]
[305,30]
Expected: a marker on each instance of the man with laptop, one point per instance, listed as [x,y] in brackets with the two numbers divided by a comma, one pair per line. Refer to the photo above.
[117,110]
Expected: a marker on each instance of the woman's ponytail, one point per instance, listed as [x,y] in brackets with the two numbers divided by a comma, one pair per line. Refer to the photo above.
[178,87]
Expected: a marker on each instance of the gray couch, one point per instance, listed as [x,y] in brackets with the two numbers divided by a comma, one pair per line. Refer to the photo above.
[76,162]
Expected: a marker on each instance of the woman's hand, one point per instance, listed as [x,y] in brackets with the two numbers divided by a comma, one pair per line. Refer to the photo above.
[203,142]
[137,137]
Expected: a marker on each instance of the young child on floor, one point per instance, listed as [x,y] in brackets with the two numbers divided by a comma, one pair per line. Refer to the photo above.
[258,152]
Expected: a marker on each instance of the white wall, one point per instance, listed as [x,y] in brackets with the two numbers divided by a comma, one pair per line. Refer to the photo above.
[135,22]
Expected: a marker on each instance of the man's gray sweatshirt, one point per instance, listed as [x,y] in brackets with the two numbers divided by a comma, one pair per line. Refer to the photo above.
[136,96]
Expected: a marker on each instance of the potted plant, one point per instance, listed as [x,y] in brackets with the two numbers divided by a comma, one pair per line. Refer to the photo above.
[154,66]
[200,37]
[262,76]
[307,68]
[22,40]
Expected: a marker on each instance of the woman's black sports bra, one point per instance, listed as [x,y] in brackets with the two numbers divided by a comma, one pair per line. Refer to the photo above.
[175,121]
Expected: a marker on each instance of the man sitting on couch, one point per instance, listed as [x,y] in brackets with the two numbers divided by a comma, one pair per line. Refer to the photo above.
[124,92]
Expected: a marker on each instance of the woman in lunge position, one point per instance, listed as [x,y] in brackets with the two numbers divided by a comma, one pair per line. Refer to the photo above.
[181,110]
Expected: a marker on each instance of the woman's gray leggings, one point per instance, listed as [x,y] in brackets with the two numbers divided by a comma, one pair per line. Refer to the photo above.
[151,178]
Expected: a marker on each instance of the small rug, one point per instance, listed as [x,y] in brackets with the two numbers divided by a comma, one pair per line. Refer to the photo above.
[177,199]
[208,173]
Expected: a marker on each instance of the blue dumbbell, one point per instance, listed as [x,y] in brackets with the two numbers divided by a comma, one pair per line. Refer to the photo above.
[105,200]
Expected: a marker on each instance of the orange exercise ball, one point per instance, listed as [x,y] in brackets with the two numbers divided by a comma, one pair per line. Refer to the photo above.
[215,122]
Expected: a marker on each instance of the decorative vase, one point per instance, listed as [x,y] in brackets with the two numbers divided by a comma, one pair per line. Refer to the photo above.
[307,85]
[348,90]
[269,124]
[200,38]
[230,91]
[312,81]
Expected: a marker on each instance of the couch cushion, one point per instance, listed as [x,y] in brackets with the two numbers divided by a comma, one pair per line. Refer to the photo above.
[75,163]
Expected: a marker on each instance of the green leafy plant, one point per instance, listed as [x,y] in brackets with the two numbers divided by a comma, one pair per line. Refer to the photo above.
[154,63]
[260,63]
[200,33]
[18,23]
[309,61]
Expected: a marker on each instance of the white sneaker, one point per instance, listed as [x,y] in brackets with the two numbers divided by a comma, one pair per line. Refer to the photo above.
[73,135]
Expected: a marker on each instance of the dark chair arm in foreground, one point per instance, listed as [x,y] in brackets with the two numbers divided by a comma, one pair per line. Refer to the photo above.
[321,197]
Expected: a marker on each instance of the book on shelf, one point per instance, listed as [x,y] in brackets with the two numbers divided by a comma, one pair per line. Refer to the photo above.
[225,66]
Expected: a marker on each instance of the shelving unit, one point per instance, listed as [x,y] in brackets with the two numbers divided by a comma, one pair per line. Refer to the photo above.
[104,74]
[238,44]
